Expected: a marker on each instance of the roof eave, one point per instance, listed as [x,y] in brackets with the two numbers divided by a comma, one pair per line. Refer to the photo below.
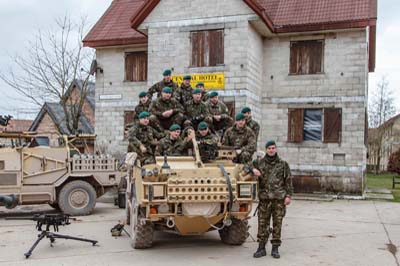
[143,12]
[114,42]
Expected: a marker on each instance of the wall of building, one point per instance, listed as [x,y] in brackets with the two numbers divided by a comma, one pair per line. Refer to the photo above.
[48,128]
[86,108]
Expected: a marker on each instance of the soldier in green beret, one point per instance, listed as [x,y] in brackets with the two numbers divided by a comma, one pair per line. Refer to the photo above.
[184,93]
[173,144]
[166,110]
[241,138]
[144,104]
[208,143]
[219,113]
[143,139]
[165,82]
[253,125]
[196,111]
[275,192]
[204,94]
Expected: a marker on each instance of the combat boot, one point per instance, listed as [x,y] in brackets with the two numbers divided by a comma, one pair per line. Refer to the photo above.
[260,251]
[275,252]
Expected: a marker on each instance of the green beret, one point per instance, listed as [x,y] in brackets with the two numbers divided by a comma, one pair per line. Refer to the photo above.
[239,117]
[195,91]
[142,94]
[213,94]
[144,114]
[187,77]
[167,72]
[174,127]
[200,84]
[270,143]
[167,90]
[246,110]
[202,125]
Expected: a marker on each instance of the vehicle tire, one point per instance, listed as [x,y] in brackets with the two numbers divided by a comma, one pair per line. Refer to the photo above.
[77,198]
[55,205]
[121,200]
[236,233]
[141,233]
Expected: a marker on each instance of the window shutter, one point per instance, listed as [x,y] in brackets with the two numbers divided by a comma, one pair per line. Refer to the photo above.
[129,62]
[216,44]
[332,125]
[294,57]
[129,118]
[136,66]
[198,48]
[306,57]
[295,125]
[316,49]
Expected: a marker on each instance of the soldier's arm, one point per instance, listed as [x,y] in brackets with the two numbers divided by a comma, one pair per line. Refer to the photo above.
[256,129]
[224,111]
[288,180]
[251,142]
[178,108]
[154,109]
[152,90]
[133,140]
[157,134]
[225,139]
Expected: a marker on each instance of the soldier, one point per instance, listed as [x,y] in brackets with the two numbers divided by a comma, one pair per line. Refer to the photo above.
[208,143]
[166,111]
[275,191]
[143,139]
[173,144]
[196,111]
[241,138]
[219,113]
[143,106]
[253,125]
[204,94]
[166,82]
[184,93]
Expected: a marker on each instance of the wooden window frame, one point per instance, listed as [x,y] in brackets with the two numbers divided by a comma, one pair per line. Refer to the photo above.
[207,48]
[136,66]
[309,53]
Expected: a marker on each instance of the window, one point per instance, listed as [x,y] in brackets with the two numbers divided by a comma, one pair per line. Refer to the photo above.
[207,48]
[136,66]
[129,118]
[306,124]
[306,57]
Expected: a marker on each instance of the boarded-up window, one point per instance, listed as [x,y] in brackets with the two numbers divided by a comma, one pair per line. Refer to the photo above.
[332,125]
[129,118]
[312,124]
[207,48]
[306,57]
[295,126]
[136,66]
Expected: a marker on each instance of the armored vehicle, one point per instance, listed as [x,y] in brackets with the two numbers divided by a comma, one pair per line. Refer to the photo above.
[33,173]
[186,196]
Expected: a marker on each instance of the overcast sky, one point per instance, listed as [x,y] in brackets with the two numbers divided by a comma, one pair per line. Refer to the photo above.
[21,19]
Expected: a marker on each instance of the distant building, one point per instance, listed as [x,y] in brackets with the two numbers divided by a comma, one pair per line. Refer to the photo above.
[17,125]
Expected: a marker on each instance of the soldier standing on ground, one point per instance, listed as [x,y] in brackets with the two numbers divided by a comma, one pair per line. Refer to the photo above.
[173,144]
[184,93]
[241,138]
[253,125]
[275,191]
[208,143]
[196,111]
[166,82]
[219,113]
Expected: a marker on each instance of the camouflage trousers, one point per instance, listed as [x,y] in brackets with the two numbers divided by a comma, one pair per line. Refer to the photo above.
[144,158]
[164,124]
[244,157]
[268,209]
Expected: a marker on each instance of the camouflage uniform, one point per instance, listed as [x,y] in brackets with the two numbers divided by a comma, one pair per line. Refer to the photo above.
[171,147]
[157,88]
[208,146]
[143,135]
[183,94]
[253,125]
[196,112]
[142,108]
[242,139]
[275,184]
[204,96]
[159,106]
[219,109]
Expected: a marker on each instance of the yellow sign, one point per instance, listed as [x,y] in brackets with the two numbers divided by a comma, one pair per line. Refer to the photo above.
[212,81]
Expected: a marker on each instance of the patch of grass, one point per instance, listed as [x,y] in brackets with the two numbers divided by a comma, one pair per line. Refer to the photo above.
[383,181]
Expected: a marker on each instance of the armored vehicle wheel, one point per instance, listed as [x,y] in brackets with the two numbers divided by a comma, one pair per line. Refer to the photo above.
[142,232]
[236,233]
[77,198]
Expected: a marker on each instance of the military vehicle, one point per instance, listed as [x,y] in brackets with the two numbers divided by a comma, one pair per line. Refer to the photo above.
[33,173]
[186,196]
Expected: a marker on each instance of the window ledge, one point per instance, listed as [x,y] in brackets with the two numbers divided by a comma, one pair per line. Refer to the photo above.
[322,74]
[207,69]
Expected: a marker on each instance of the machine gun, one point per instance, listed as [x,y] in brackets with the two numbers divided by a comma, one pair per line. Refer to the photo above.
[50,220]
[4,120]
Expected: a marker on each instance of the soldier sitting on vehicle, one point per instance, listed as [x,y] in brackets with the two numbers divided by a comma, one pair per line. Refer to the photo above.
[143,139]
[208,143]
[166,82]
[184,93]
[241,138]
[219,113]
[166,111]
[204,94]
[196,111]
[173,144]
[253,125]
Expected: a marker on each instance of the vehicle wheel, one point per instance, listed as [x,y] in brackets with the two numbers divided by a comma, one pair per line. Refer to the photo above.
[236,233]
[77,198]
[55,205]
[141,233]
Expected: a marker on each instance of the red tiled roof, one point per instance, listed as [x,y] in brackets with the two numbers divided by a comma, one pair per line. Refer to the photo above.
[114,27]
[17,125]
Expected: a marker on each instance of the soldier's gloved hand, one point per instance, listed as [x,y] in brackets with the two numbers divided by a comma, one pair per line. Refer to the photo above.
[143,148]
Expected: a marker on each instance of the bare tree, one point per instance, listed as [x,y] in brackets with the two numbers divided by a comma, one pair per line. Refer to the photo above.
[55,59]
[381,108]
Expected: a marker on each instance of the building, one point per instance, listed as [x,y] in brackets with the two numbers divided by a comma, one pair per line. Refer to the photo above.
[300,65]
[17,125]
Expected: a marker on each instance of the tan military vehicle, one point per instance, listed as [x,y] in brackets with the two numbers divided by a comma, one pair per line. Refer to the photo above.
[33,173]
[189,197]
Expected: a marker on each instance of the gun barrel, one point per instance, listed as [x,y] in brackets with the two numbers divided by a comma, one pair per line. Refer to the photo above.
[20,218]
